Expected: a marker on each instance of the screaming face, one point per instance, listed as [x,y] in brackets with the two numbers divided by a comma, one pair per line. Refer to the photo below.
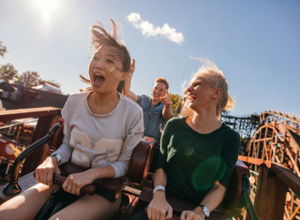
[106,69]
[200,94]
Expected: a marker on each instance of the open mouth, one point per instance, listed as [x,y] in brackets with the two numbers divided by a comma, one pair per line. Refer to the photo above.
[191,97]
[98,80]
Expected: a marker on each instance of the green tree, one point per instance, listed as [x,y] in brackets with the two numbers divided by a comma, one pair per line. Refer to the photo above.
[8,73]
[3,49]
[29,79]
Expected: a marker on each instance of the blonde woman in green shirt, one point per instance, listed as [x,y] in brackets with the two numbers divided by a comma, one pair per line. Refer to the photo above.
[198,152]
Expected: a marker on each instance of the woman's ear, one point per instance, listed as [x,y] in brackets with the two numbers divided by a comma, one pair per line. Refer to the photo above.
[217,94]
[123,75]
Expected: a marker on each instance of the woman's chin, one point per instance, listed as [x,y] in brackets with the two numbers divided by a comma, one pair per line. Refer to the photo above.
[191,105]
[97,89]
[104,91]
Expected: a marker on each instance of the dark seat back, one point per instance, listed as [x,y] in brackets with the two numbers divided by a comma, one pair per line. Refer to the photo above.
[235,187]
[57,139]
[140,162]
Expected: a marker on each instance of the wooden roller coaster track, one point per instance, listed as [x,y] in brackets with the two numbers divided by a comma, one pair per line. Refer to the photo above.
[271,137]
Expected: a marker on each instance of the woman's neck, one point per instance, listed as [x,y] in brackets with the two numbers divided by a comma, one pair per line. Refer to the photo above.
[204,122]
[103,103]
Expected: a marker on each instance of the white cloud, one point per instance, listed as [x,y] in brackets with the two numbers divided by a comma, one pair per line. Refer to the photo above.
[150,30]
[134,17]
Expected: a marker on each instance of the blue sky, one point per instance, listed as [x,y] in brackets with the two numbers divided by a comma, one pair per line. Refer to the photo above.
[256,43]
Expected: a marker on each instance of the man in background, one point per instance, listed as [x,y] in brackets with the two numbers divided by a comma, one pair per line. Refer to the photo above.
[156,107]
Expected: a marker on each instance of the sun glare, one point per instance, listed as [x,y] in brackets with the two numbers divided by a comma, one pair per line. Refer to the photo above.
[47,8]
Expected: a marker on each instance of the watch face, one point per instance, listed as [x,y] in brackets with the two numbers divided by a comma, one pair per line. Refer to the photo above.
[206,211]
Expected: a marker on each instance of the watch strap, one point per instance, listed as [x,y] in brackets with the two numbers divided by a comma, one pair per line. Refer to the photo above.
[57,156]
[159,187]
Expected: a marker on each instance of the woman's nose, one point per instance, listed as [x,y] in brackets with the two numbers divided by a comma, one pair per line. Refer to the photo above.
[189,89]
[99,63]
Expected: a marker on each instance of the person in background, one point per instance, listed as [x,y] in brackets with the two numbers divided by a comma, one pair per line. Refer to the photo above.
[156,108]
[101,129]
[197,151]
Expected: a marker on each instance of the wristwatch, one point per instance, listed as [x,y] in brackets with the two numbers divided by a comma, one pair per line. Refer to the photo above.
[159,187]
[57,156]
[205,211]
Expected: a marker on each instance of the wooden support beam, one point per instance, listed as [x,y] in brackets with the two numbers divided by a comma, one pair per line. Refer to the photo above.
[8,115]
[287,177]
[256,161]
[270,197]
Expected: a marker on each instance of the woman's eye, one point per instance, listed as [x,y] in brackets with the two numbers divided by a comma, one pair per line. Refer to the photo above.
[109,61]
[197,84]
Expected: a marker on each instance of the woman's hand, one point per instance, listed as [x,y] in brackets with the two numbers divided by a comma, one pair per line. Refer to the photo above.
[166,100]
[76,181]
[132,67]
[195,214]
[45,171]
[130,71]
[159,208]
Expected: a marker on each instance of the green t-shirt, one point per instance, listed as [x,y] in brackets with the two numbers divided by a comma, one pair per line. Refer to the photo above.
[194,162]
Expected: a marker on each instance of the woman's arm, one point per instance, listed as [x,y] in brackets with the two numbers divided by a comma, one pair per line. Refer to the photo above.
[167,112]
[126,91]
[159,208]
[76,181]
[160,178]
[212,200]
[134,135]
[64,152]
[45,171]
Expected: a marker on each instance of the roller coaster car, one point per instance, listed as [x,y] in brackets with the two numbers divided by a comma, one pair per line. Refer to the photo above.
[135,189]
